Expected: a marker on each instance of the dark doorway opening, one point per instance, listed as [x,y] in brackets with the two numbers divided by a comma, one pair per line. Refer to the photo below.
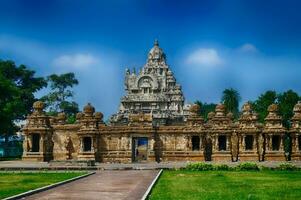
[139,149]
[87,143]
[249,142]
[195,140]
[222,143]
[275,142]
[35,142]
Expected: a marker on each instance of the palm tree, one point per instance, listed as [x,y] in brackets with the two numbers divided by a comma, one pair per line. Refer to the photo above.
[231,99]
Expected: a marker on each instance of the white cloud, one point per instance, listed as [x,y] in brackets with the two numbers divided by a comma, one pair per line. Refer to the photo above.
[248,48]
[205,57]
[76,61]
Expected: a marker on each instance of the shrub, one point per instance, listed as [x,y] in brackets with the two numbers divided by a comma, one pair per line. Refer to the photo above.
[247,166]
[287,167]
[222,167]
[199,166]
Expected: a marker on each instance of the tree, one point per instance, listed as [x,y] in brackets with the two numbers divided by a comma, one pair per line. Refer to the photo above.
[287,101]
[61,95]
[231,99]
[17,85]
[261,105]
[205,108]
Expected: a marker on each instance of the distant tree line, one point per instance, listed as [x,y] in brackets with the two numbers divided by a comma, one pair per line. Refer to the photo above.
[18,84]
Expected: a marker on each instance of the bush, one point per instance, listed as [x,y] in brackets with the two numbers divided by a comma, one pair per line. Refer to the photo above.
[222,167]
[200,167]
[287,167]
[247,166]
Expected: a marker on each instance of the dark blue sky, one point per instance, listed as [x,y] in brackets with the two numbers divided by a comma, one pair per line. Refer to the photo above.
[250,45]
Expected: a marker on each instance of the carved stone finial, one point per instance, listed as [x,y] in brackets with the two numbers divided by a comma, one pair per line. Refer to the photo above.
[61,117]
[230,115]
[210,115]
[273,115]
[220,110]
[297,107]
[195,109]
[297,115]
[38,106]
[89,110]
[79,116]
[246,108]
[273,108]
[156,54]
[98,116]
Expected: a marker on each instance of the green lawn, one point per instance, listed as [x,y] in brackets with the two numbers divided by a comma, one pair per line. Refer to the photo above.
[15,183]
[228,185]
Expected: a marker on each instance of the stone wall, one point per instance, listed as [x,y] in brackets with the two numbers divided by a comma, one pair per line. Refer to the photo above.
[218,139]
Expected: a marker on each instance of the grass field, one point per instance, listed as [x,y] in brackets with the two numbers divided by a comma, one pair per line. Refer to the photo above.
[15,183]
[228,185]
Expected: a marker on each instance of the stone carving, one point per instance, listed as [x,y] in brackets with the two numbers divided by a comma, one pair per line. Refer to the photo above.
[260,147]
[153,91]
[69,147]
[234,148]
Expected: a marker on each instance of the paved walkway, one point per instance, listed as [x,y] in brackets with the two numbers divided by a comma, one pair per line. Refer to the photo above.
[104,185]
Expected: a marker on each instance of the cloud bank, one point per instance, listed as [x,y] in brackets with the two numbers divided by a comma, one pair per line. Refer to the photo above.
[249,48]
[77,61]
[204,57]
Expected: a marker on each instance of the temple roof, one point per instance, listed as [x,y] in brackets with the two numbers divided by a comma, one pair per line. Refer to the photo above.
[156,54]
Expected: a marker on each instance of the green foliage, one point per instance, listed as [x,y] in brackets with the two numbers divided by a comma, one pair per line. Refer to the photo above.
[205,108]
[61,95]
[261,105]
[231,99]
[17,85]
[287,167]
[247,166]
[286,102]
[199,166]
[222,167]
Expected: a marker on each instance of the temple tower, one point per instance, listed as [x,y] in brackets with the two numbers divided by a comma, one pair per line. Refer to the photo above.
[153,90]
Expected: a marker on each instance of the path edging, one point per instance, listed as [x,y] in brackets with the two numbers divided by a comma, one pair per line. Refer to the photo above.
[47,187]
[150,187]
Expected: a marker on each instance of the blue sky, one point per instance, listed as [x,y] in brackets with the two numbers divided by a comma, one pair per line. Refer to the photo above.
[251,46]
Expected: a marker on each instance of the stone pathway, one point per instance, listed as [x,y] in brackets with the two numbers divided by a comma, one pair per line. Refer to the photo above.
[104,185]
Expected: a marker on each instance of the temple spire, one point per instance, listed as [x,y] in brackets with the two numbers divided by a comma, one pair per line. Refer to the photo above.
[156,54]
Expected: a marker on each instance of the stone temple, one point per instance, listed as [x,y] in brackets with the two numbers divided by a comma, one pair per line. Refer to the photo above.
[153,124]
[153,90]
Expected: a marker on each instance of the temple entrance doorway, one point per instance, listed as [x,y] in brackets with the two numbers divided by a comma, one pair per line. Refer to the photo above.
[87,144]
[35,142]
[139,149]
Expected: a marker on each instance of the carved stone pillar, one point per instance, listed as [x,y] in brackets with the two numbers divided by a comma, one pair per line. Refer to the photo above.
[281,143]
[243,145]
[227,143]
[297,143]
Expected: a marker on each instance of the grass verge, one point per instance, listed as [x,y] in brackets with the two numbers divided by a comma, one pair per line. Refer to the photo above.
[225,185]
[16,183]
